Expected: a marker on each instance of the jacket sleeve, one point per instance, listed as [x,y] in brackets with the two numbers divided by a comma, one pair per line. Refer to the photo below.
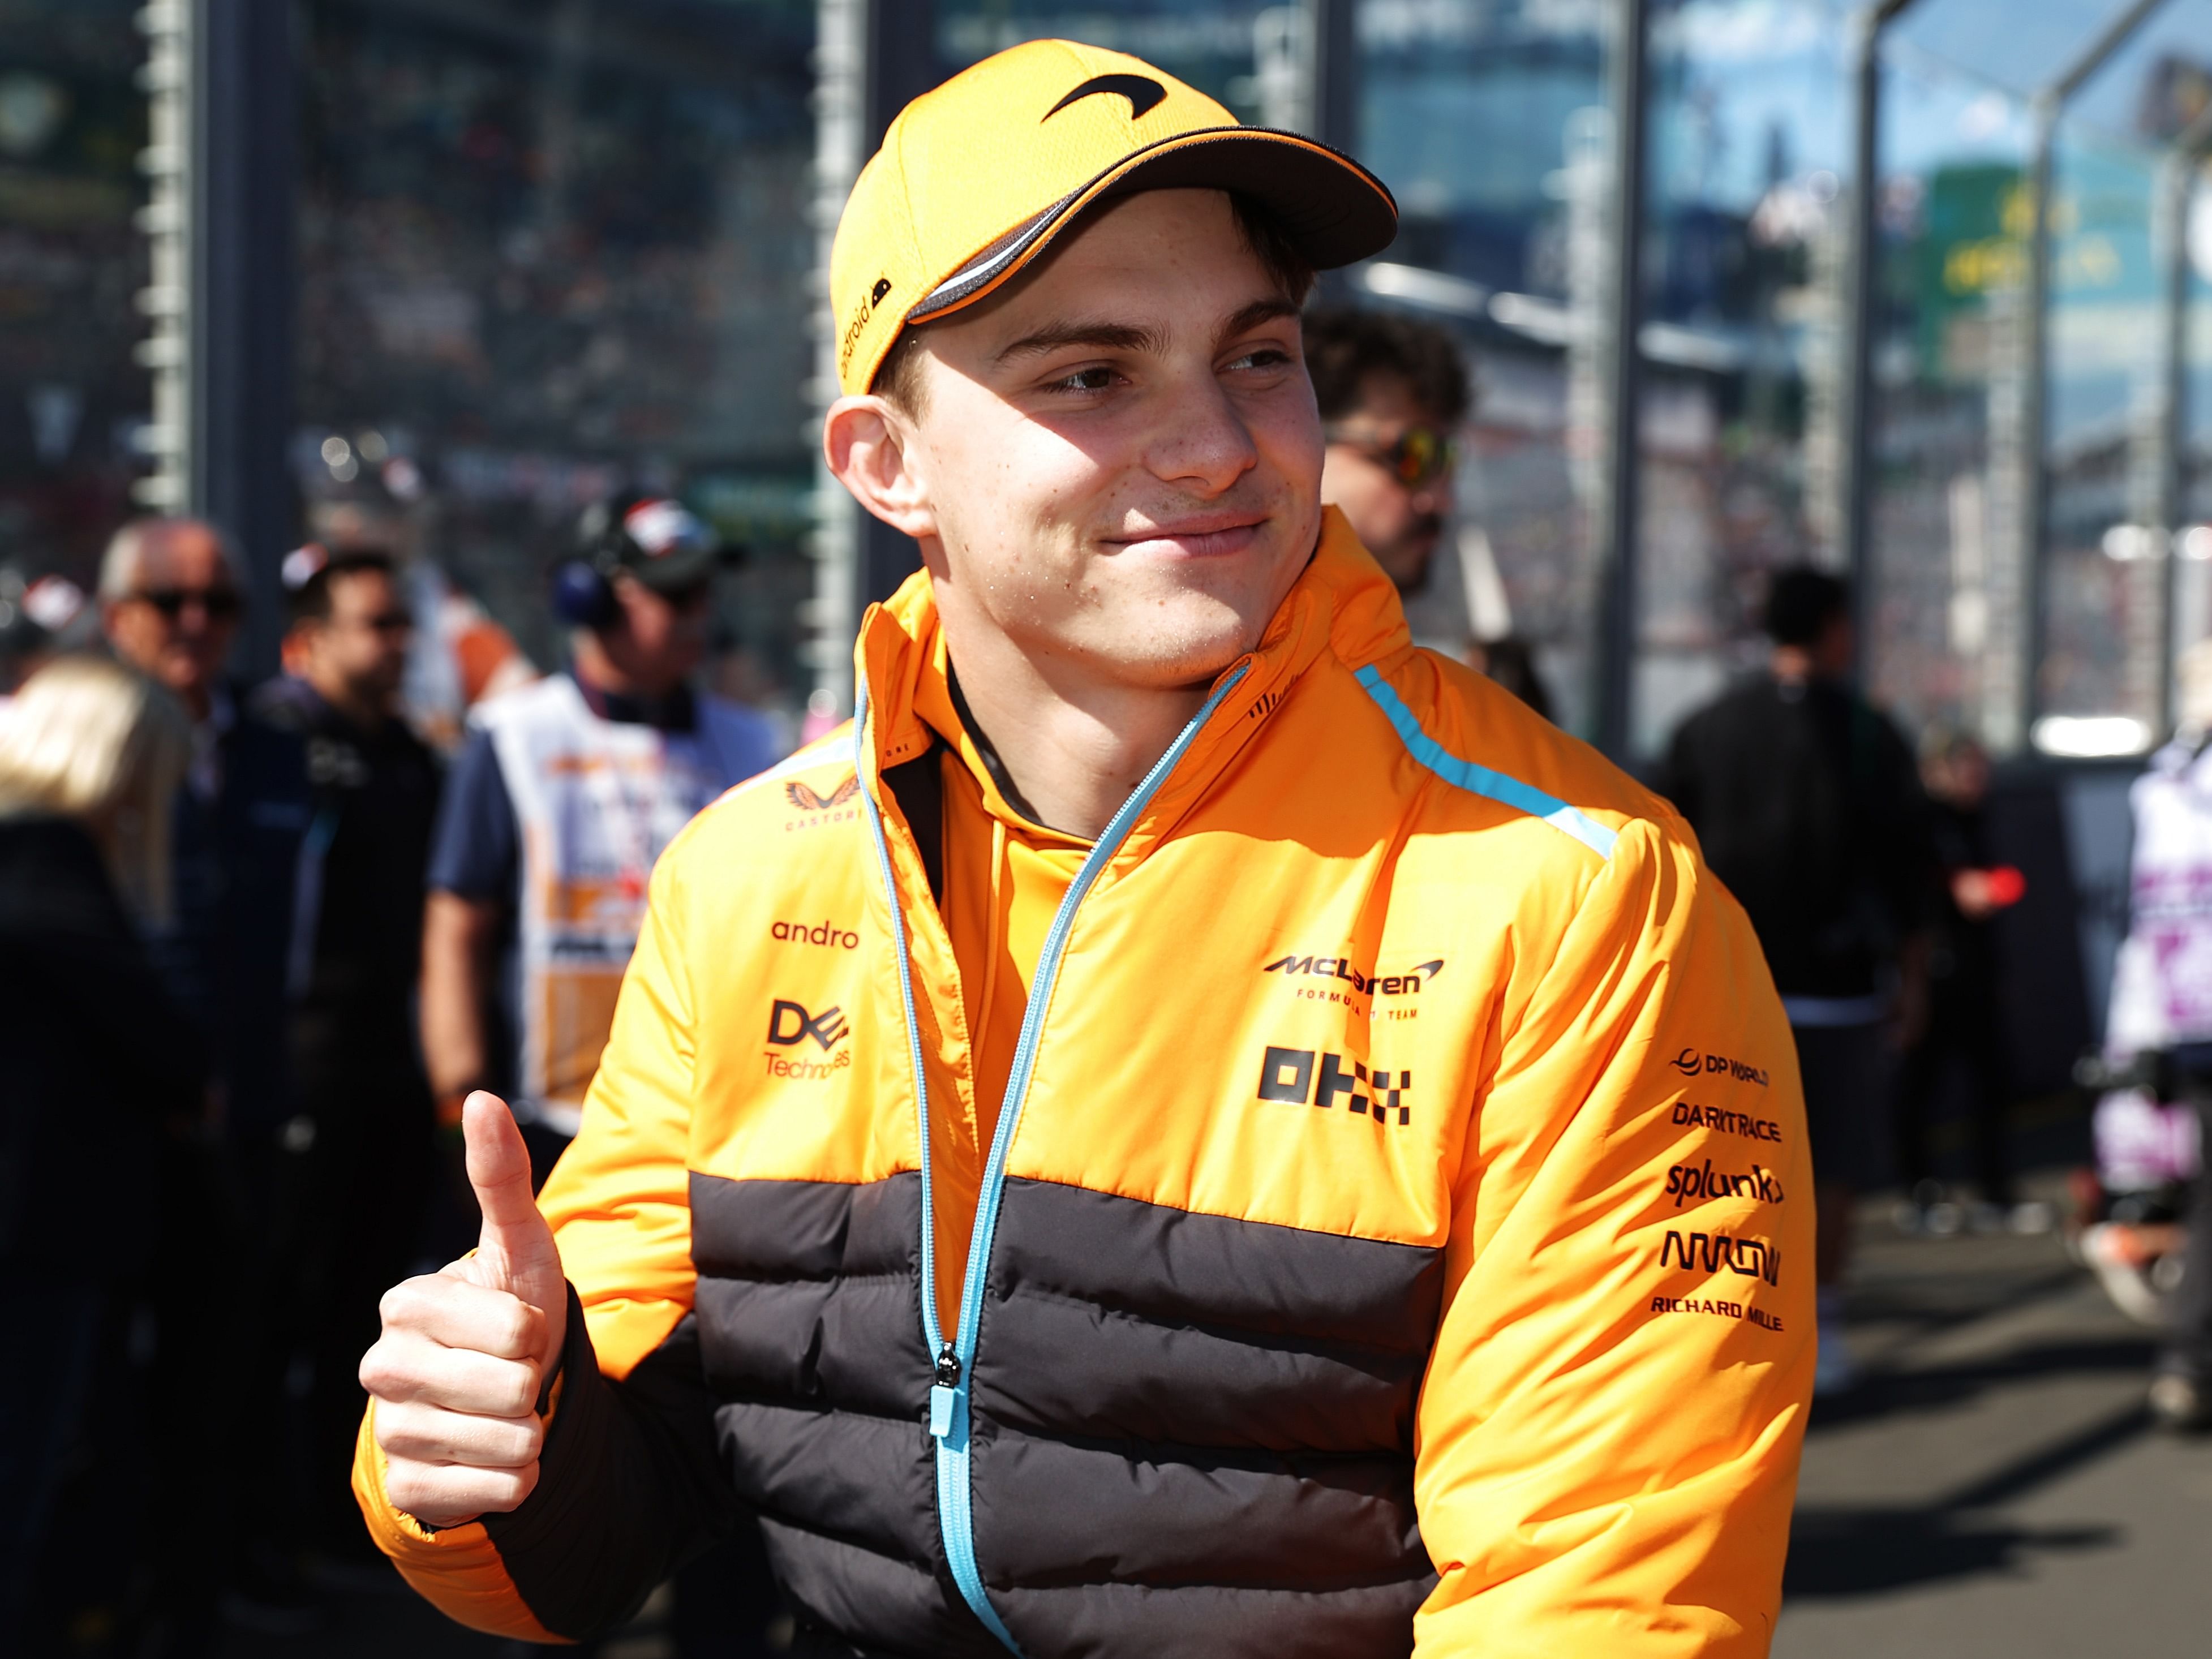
[1608,1439]
[630,1484]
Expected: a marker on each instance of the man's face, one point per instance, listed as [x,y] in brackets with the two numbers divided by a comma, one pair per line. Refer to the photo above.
[179,620]
[1117,467]
[359,653]
[1389,471]
[658,639]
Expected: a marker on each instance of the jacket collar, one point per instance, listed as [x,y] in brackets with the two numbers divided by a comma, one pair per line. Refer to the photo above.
[1341,605]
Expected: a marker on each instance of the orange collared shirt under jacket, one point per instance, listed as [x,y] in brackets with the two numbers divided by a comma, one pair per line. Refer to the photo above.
[1400,1238]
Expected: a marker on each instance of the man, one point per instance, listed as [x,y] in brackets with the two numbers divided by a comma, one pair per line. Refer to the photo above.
[1068,1139]
[1391,389]
[460,654]
[2158,1024]
[1807,803]
[170,605]
[354,1164]
[1962,1035]
[564,797]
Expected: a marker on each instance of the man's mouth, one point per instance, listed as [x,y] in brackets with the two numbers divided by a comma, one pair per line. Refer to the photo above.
[1199,537]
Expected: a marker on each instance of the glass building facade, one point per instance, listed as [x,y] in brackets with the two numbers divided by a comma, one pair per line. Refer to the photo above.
[542,248]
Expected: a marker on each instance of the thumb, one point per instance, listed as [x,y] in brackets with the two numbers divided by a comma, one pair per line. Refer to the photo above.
[515,1246]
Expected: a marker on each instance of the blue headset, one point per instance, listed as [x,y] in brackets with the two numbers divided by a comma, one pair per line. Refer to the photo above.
[583,584]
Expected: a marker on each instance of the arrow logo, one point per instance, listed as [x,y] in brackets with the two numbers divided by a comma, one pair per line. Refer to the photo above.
[1141,90]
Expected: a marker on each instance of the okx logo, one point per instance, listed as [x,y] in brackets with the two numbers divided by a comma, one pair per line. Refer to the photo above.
[789,1023]
[1300,1075]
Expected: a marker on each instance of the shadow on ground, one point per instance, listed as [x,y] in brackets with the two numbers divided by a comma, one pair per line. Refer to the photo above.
[1843,1552]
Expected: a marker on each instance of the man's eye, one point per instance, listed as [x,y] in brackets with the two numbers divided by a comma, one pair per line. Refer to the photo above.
[1262,357]
[1086,379]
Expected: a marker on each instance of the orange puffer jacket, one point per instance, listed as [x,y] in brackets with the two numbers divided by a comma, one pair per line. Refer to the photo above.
[1396,1235]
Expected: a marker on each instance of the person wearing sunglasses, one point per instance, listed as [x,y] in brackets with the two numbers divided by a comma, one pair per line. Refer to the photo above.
[1391,391]
[172,598]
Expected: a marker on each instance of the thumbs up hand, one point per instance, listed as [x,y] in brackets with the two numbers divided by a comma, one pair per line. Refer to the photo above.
[456,1372]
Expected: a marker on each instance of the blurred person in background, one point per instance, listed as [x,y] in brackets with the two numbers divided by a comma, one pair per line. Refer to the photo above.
[171,602]
[243,881]
[1961,1038]
[1512,662]
[355,1160]
[459,655]
[100,1066]
[1808,806]
[2160,1025]
[1391,389]
[565,794]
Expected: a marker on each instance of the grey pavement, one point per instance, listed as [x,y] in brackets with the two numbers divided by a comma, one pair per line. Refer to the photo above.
[1996,1488]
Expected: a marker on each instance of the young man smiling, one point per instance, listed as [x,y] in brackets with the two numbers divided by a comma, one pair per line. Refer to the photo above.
[1220,1203]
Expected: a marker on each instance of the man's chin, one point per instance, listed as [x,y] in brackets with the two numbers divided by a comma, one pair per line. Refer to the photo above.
[1187,640]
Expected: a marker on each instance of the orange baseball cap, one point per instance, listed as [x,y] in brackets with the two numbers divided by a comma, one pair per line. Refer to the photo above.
[975,179]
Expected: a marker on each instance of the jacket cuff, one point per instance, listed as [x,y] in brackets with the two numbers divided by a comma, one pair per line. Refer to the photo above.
[551,1541]
[458,1569]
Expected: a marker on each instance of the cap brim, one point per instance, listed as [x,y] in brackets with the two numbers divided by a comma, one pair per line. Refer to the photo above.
[1334,209]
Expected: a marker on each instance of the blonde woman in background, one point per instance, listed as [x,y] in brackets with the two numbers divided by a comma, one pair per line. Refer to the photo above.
[97,1068]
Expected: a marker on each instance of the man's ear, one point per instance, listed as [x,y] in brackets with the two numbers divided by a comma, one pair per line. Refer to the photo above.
[869,446]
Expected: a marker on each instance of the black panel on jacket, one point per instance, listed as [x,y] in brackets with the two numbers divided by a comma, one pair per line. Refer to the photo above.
[629,1487]
[1233,1400]
[809,1301]
[1193,1435]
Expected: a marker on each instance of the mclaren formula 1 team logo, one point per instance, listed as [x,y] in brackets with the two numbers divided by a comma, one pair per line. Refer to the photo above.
[1342,971]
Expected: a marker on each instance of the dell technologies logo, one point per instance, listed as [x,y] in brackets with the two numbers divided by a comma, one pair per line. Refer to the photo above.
[788,1023]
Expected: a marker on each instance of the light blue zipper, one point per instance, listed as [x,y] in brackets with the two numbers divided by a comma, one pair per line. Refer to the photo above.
[954,1366]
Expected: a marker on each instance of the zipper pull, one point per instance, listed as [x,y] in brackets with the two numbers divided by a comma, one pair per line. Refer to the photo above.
[945,1388]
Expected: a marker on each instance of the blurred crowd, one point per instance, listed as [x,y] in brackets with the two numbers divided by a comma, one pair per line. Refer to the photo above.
[258,944]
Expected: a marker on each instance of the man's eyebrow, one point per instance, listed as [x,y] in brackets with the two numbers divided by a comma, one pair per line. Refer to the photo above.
[1259,311]
[1103,336]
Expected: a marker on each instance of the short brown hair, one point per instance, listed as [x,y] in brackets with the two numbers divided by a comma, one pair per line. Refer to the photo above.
[898,378]
[310,600]
[1345,346]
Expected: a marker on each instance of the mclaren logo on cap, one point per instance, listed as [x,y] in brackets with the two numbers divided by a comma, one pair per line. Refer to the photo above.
[1141,90]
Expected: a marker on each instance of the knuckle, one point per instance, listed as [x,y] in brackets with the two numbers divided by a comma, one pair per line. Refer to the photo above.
[408,1303]
[518,1388]
[404,1487]
[378,1374]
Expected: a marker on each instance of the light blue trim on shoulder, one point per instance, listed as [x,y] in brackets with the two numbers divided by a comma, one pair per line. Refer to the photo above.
[1480,780]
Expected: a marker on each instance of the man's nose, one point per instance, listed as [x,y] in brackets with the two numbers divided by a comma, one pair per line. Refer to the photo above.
[1206,443]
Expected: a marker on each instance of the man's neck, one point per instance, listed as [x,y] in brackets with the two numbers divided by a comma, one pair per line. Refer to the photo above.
[364,713]
[1075,748]
[596,666]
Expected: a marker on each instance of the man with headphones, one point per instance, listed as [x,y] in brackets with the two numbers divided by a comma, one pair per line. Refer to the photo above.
[564,795]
